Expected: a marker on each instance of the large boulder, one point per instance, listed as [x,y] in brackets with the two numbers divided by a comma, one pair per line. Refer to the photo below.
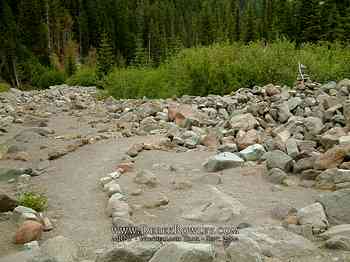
[223,161]
[278,159]
[184,252]
[337,206]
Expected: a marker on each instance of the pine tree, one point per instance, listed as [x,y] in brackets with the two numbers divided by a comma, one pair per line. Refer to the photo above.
[105,58]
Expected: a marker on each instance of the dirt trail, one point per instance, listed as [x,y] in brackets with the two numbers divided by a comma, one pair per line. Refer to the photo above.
[75,196]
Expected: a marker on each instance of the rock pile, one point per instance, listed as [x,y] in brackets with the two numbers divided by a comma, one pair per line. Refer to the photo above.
[299,134]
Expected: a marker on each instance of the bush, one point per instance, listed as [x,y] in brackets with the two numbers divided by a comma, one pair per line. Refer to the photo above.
[223,68]
[4,87]
[49,78]
[85,76]
[38,202]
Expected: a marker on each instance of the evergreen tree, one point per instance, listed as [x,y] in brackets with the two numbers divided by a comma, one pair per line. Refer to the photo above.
[105,57]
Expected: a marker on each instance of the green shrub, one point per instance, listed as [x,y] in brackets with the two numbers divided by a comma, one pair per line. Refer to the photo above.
[4,87]
[36,201]
[223,68]
[85,76]
[50,78]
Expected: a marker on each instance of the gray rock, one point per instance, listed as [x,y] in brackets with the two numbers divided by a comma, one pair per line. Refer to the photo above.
[313,215]
[292,148]
[219,207]
[276,242]
[278,159]
[339,242]
[243,122]
[117,205]
[304,164]
[146,177]
[294,102]
[244,250]
[313,125]
[339,230]
[337,206]
[222,161]
[341,176]
[134,251]
[277,176]
[184,252]
[231,147]
[283,112]
[253,152]
[61,249]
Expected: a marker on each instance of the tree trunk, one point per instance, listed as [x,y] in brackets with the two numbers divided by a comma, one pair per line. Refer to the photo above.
[15,72]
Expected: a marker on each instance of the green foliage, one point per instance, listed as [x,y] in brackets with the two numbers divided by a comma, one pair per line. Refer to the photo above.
[223,68]
[4,87]
[50,78]
[36,201]
[85,76]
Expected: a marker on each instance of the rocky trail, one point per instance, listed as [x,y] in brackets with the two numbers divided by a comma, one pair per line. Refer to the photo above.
[270,160]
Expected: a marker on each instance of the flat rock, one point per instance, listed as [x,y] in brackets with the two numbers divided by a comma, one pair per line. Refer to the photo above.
[61,249]
[184,252]
[275,241]
[220,207]
[223,161]
[134,251]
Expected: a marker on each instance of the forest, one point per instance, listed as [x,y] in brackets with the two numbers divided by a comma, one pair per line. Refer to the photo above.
[44,42]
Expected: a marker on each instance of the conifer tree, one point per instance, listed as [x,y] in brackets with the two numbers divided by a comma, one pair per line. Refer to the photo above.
[105,57]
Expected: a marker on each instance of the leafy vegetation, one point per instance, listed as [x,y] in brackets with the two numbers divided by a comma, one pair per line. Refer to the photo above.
[36,201]
[223,68]
[4,87]
[85,76]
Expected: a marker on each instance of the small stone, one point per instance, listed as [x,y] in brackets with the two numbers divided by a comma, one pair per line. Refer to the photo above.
[146,177]
[47,224]
[105,180]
